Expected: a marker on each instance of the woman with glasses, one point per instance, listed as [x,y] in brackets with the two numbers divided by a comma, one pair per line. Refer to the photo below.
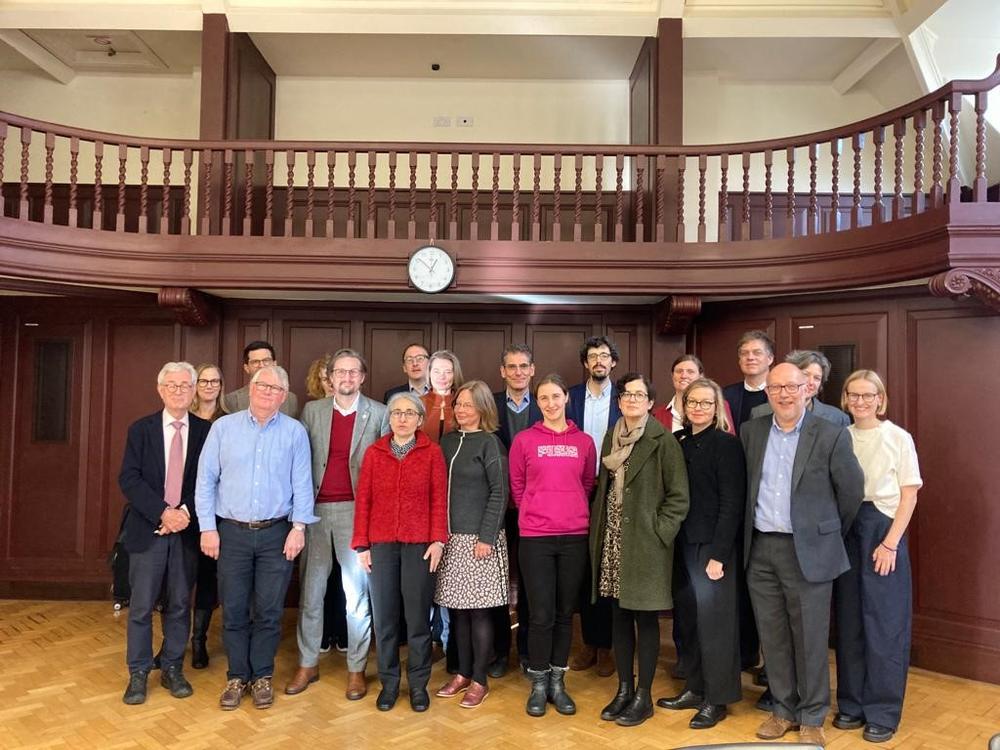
[209,386]
[873,600]
[445,374]
[641,500]
[707,566]
[400,529]
[551,476]
[473,576]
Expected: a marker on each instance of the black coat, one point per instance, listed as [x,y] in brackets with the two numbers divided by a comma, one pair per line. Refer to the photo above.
[503,415]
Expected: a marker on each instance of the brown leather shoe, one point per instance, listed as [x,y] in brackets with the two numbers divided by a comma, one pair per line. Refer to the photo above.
[304,677]
[474,696]
[812,735]
[262,692]
[605,662]
[585,658]
[455,685]
[232,695]
[775,728]
[357,687]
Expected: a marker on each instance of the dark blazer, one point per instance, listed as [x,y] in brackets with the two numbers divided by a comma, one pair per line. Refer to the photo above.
[819,409]
[143,475]
[404,388]
[733,394]
[503,416]
[578,400]
[827,489]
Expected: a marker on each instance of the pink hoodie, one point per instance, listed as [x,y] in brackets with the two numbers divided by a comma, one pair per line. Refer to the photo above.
[551,476]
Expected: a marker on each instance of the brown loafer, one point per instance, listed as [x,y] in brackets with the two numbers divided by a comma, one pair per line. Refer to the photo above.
[455,685]
[357,687]
[304,677]
[775,728]
[812,735]
[231,696]
[605,662]
[474,696]
[262,692]
[585,658]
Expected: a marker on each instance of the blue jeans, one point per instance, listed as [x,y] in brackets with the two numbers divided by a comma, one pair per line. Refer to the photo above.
[252,568]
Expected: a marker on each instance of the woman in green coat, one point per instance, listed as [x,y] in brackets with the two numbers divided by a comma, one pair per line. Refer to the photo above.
[641,500]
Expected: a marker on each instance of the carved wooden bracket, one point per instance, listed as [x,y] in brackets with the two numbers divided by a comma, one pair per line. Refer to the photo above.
[675,314]
[192,308]
[981,283]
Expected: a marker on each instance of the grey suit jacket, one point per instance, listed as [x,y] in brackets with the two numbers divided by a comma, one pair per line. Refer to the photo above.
[827,489]
[371,423]
[821,410]
[240,400]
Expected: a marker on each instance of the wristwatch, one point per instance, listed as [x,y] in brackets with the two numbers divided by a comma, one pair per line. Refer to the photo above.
[299,526]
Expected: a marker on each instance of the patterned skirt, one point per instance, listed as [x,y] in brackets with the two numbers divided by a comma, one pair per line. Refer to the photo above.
[463,582]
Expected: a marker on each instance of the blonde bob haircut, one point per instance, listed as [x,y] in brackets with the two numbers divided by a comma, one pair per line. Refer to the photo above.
[872,377]
[720,422]
[482,400]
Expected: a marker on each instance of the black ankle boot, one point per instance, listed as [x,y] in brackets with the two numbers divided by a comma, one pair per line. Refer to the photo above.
[199,633]
[622,698]
[558,696]
[636,712]
[536,698]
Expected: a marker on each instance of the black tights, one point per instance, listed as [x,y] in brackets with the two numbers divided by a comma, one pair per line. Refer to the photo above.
[472,630]
[624,624]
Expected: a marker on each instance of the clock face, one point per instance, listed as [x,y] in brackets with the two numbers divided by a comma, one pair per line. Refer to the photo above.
[431,269]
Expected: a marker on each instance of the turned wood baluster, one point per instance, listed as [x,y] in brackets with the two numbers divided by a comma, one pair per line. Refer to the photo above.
[3,147]
[556,198]
[578,198]
[917,202]
[248,164]
[98,218]
[474,210]
[768,195]
[858,145]
[331,179]
[22,212]
[432,228]
[289,225]
[352,163]
[790,194]
[679,228]
[813,211]
[411,226]
[186,211]
[143,189]
[598,198]
[74,163]
[724,233]
[619,197]
[640,195]
[937,189]
[515,201]
[898,131]
[495,197]
[370,223]
[536,227]
[227,203]
[979,185]
[954,186]
[310,230]
[206,199]
[745,223]
[268,193]
[453,198]
[50,147]
[702,169]
[661,168]
[122,159]
[391,224]
[165,199]
[878,138]
[835,146]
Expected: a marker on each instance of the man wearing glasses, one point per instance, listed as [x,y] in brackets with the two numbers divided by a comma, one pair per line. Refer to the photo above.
[257,354]
[157,479]
[415,359]
[340,430]
[254,499]
[755,355]
[804,487]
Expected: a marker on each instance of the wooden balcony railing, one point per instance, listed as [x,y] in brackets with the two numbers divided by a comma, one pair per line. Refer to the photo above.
[897,164]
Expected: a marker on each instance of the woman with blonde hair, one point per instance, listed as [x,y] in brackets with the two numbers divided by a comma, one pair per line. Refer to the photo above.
[209,387]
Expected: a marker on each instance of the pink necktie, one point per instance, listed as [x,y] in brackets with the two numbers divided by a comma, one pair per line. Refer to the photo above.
[175,468]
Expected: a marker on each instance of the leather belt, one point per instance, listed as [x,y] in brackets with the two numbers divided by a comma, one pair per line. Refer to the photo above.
[254,525]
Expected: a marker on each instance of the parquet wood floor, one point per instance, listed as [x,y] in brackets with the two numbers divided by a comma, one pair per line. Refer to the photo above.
[62,674]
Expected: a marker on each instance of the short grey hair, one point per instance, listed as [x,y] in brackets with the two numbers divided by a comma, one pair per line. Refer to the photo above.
[177,367]
[415,401]
[802,358]
[277,370]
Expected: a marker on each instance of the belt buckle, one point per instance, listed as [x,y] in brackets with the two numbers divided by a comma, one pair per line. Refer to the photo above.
[257,524]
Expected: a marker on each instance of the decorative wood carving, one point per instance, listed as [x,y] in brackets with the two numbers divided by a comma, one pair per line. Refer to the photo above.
[192,308]
[675,314]
[980,283]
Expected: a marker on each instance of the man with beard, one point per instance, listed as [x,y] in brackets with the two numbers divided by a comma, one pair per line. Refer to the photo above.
[593,407]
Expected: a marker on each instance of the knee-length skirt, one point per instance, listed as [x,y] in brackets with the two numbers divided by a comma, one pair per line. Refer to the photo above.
[463,582]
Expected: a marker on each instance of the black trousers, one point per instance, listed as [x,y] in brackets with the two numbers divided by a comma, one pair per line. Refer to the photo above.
[709,628]
[749,638]
[595,618]
[399,572]
[874,618]
[206,594]
[501,615]
[553,568]
[167,565]
[635,630]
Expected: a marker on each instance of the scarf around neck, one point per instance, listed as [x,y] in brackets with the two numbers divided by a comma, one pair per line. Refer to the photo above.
[622,442]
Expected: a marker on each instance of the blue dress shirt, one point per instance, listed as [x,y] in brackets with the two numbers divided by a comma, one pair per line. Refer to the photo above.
[518,406]
[774,496]
[596,410]
[251,473]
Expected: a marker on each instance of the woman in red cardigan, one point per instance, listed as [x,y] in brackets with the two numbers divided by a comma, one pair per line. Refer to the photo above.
[400,528]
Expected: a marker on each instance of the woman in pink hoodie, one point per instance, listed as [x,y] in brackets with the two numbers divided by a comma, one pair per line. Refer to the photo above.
[551,476]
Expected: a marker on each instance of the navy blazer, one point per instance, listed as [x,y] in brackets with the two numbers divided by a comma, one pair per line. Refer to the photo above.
[404,388]
[143,475]
[503,416]
[578,401]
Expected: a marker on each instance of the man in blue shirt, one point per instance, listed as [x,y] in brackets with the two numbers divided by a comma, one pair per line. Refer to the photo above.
[254,498]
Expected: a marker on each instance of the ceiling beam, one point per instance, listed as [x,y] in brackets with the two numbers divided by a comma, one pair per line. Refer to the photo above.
[918,12]
[36,53]
[805,26]
[863,64]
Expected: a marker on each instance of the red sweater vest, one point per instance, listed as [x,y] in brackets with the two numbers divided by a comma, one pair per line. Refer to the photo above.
[336,486]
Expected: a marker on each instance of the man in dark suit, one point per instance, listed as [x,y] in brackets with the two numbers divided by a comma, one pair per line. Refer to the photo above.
[755,353]
[161,532]
[804,487]
[415,361]
[593,407]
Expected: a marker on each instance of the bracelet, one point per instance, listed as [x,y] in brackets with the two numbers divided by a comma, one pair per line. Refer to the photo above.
[883,544]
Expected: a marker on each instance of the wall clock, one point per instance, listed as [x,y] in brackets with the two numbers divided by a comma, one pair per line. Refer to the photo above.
[431,269]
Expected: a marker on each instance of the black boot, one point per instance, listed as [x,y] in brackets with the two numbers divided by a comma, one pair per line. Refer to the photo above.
[558,696]
[199,633]
[622,698]
[636,712]
[536,698]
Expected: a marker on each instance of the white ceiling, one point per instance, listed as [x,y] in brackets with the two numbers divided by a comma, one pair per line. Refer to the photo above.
[747,59]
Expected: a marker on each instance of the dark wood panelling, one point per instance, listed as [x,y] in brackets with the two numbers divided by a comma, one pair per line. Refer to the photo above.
[384,343]
[715,341]
[478,347]
[306,339]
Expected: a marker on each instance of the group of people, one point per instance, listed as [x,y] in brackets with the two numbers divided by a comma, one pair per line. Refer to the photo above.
[518,508]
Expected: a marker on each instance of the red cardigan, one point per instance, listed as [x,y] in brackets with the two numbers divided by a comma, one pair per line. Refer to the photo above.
[401,501]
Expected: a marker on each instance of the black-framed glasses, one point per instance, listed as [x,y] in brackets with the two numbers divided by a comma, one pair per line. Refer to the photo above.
[868,398]
[404,414]
[633,396]
[599,357]
[704,404]
[266,362]
[209,381]
[790,388]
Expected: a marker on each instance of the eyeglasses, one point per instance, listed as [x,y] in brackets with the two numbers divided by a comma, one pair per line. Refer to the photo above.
[518,368]
[209,381]
[747,353]
[401,414]
[268,388]
[599,357]
[790,388]
[633,396]
[419,359]
[464,405]
[266,362]
[339,373]
[703,405]
[853,398]
[177,387]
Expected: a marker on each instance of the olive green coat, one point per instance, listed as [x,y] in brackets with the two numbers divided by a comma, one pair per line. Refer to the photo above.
[655,502]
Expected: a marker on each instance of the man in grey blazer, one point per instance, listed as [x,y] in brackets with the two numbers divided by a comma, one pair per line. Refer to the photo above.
[804,487]
[340,430]
[257,354]
[816,368]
